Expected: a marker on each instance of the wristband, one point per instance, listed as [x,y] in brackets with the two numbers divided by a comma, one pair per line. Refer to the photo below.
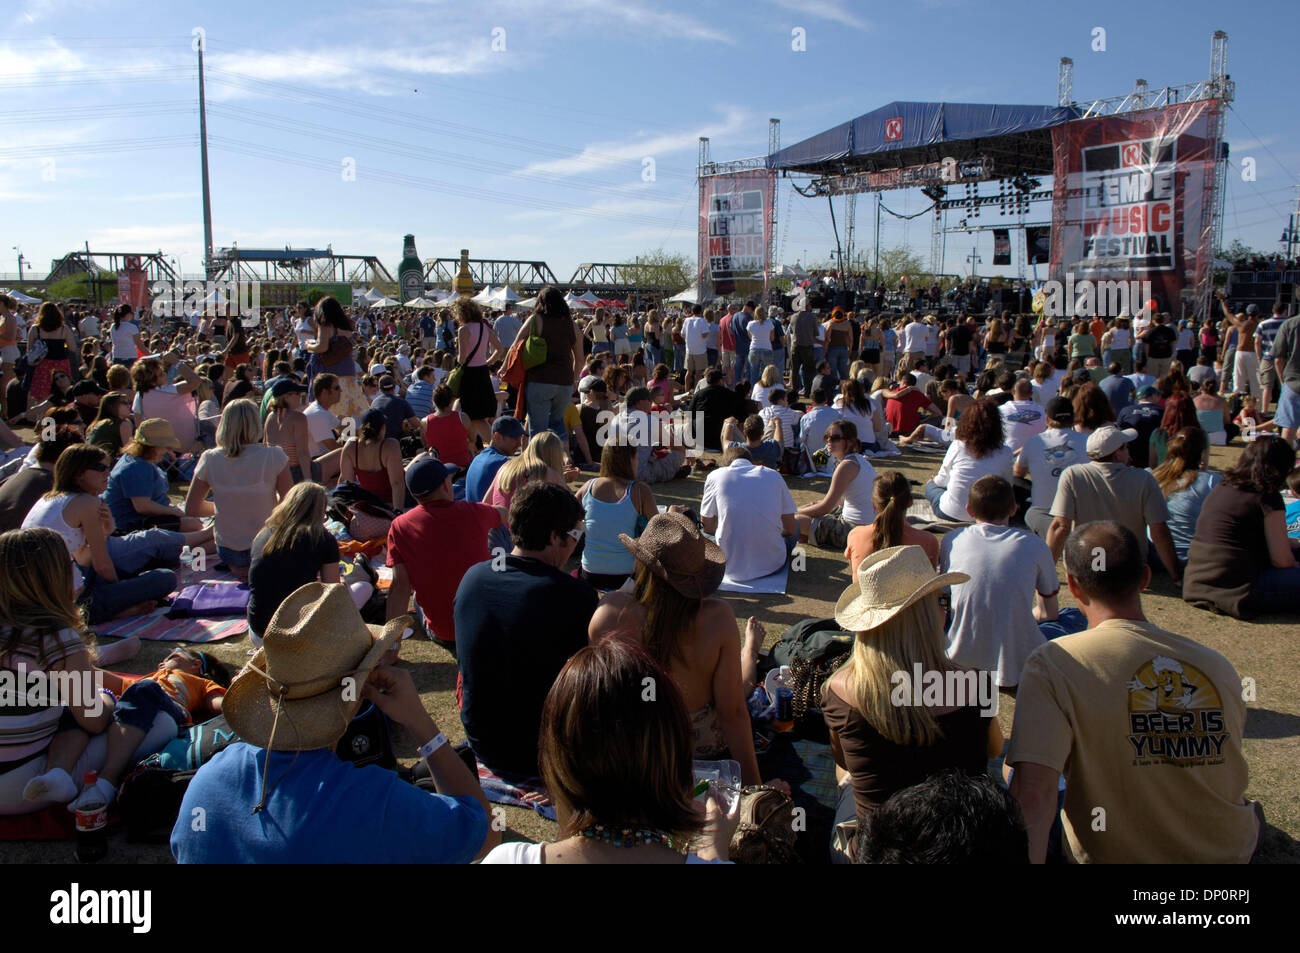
[431,746]
[105,691]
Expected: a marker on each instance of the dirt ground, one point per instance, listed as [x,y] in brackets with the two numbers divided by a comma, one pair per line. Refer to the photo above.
[1267,651]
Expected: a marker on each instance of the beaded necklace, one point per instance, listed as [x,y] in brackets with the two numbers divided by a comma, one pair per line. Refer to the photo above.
[628,836]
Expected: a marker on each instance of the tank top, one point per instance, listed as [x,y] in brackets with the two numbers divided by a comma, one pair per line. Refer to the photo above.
[376,481]
[1120,338]
[56,348]
[449,437]
[858,508]
[48,514]
[839,335]
[603,553]
[477,353]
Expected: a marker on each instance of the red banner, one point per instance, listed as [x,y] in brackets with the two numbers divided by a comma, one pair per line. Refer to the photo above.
[1132,198]
[735,229]
[132,288]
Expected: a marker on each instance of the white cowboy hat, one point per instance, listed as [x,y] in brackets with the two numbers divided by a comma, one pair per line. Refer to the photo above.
[888,582]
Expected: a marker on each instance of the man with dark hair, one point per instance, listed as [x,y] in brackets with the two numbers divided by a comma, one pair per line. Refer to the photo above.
[1140,377]
[1143,417]
[420,394]
[750,436]
[1108,488]
[519,617]
[432,545]
[1043,459]
[780,420]
[803,335]
[1022,417]
[1160,341]
[508,436]
[398,414]
[949,818]
[1146,725]
[1119,390]
[903,406]
[716,402]
[750,510]
[825,378]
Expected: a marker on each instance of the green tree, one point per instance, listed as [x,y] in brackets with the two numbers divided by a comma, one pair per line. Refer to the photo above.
[1238,252]
[899,262]
[74,286]
[661,270]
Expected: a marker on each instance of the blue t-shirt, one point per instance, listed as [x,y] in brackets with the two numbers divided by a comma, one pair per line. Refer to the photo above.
[133,476]
[396,412]
[767,453]
[1185,508]
[1119,391]
[319,810]
[427,327]
[1293,519]
[482,471]
[515,629]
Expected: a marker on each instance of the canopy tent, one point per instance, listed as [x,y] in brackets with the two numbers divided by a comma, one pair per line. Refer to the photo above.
[589,298]
[611,303]
[484,296]
[21,298]
[503,297]
[526,303]
[573,301]
[442,296]
[690,296]
[1018,138]
[421,303]
[385,303]
[374,294]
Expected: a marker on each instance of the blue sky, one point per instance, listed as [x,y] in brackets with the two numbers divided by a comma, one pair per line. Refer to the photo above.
[536,150]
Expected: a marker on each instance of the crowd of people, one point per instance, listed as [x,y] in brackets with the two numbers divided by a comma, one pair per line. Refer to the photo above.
[510,464]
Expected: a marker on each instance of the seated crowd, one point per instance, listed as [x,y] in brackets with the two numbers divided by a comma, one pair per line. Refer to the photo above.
[514,506]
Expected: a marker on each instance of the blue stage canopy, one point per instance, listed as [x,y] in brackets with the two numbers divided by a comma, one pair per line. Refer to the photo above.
[905,126]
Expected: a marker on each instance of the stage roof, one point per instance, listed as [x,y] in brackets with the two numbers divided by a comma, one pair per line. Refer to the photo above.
[905,133]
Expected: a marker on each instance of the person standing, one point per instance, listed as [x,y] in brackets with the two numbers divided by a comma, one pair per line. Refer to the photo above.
[695,331]
[1286,364]
[548,387]
[802,367]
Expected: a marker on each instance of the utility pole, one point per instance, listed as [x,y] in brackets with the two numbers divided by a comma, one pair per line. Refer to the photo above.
[877,240]
[203,161]
[20,263]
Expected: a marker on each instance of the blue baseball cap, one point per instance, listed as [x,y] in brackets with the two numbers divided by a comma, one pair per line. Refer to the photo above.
[508,427]
[426,474]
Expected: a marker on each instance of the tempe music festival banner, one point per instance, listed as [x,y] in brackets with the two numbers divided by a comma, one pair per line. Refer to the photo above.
[1131,197]
[735,228]
[132,288]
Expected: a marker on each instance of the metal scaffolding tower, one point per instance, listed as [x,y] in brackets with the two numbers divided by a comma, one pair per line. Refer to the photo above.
[1065,82]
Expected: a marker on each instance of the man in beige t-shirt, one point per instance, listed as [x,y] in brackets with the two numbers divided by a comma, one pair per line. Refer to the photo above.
[1108,488]
[1145,725]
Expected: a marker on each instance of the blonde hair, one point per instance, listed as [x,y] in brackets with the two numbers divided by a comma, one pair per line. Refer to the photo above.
[543,451]
[241,425]
[301,513]
[770,376]
[914,635]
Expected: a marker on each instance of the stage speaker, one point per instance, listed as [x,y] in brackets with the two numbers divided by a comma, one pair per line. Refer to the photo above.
[844,299]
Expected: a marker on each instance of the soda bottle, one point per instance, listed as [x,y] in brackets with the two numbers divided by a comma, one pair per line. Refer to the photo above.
[92,822]
[783,719]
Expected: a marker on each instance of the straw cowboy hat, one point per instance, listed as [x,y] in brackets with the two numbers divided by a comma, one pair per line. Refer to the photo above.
[675,550]
[888,582]
[292,695]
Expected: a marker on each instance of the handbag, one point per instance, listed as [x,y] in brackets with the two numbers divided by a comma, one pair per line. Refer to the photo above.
[457,374]
[534,350]
[765,834]
[370,521]
[36,351]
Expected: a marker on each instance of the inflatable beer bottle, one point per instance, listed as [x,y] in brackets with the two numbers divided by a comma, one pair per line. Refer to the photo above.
[410,273]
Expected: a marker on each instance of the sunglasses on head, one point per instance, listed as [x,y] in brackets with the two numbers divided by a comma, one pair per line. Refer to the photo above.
[577,533]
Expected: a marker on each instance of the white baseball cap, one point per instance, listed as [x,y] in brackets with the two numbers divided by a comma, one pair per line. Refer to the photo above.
[1108,438]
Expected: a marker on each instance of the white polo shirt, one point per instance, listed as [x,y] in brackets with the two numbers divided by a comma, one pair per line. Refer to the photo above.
[695,331]
[748,501]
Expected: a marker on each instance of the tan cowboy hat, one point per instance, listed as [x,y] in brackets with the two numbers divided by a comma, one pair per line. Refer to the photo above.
[888,582]
[675,550]
[293,695]
[157,432]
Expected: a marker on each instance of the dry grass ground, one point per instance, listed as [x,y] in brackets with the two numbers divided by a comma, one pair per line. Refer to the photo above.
[1267,651]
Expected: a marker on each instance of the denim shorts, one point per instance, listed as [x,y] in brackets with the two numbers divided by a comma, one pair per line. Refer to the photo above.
[235,557]
[143,702]
[1288,407]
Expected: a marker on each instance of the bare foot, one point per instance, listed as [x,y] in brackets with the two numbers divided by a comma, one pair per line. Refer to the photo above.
[118,652]
[755,636]
[140,608]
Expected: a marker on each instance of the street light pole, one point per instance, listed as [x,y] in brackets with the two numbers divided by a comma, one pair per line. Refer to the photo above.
[20,263]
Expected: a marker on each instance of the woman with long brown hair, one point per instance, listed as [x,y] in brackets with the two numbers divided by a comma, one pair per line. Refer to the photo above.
[1180,413]
[42,629]
[477,346]
[977,449]
[56,340]
[672,612]
[1186,485]
[1092,408]
[333,352]
[892,496]
[611,808]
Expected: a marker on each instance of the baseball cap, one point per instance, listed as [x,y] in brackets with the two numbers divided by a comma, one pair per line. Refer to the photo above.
[1148,391]
[1108,438]
[287,386]
[509,427]
[1252,309]
[156,432]
[591,383]
[1060,409]
[1082,375]
[387,382]
[378,370]
[425,474]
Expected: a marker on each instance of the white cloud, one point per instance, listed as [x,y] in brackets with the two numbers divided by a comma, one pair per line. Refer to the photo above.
[832,10]
[37,59]
[602,155]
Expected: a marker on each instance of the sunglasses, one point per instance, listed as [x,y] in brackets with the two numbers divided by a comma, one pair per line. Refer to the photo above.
[833,438]
[577,534]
